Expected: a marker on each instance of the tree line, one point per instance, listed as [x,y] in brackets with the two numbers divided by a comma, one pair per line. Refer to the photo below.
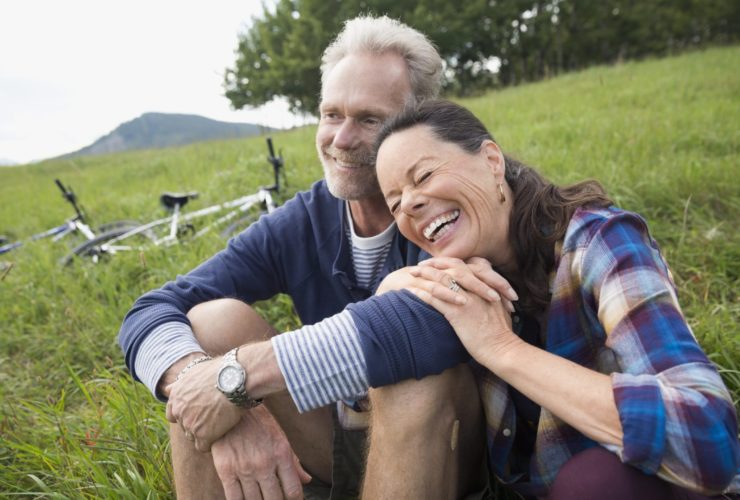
[485,43]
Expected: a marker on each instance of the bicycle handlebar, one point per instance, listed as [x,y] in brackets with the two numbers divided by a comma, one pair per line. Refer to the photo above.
[277,164]
[65,193]
[71,197]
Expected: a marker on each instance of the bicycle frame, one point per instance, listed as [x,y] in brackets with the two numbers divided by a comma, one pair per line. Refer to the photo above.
[129,238]
[76,223]
[240,204]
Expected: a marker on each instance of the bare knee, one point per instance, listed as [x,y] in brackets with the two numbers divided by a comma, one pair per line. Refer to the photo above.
[222,324]
[432,432]
[432,402]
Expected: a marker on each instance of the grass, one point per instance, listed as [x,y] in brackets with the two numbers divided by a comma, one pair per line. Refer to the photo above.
[661,135]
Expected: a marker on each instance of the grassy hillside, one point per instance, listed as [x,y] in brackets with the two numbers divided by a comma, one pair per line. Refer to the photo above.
[661,135]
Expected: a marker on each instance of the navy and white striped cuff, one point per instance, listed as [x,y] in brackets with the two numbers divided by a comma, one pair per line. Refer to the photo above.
[161,349]
[322,363]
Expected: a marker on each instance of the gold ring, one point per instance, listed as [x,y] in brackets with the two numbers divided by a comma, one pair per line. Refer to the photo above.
[189,436]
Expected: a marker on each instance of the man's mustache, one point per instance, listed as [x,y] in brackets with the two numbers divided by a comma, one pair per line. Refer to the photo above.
[357,156]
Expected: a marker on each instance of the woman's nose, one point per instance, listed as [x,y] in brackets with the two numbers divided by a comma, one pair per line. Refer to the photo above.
[412,202]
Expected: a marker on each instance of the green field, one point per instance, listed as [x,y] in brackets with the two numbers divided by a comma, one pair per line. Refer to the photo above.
[662,135]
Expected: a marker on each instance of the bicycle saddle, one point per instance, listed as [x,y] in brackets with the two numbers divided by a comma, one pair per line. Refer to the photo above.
[170,200]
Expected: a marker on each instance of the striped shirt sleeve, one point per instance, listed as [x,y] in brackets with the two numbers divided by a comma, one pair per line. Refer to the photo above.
[166,344]
[322,363]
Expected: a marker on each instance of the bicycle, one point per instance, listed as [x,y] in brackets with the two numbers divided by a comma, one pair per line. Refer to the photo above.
[76,224]
[173,228]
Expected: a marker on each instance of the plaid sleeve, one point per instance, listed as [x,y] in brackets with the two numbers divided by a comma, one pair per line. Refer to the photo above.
[677,416]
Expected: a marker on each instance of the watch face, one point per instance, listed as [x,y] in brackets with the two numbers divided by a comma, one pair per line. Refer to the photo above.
[230,378]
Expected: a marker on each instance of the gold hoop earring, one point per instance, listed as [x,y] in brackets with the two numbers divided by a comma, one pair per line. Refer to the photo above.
[502,196]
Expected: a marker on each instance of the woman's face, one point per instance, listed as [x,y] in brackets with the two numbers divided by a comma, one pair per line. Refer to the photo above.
[443,198]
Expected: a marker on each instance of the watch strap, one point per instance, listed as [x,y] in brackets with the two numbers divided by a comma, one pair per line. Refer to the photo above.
[239,395]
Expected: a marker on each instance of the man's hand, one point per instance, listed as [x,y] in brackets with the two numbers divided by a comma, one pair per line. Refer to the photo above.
[255,461]
[199,407]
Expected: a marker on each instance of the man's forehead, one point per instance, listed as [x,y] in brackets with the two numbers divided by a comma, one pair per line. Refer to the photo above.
[360,106]
[371,83]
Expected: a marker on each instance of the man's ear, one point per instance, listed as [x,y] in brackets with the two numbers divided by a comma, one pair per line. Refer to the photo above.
[495,158]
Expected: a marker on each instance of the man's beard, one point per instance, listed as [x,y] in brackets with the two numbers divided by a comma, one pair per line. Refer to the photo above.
[361,183]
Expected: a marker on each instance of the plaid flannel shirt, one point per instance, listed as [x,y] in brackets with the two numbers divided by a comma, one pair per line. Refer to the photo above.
[614,309]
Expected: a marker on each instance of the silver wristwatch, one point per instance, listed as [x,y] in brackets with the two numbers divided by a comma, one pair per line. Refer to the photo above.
[232,381]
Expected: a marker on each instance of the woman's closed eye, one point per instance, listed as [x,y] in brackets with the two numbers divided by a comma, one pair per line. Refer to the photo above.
[424,176]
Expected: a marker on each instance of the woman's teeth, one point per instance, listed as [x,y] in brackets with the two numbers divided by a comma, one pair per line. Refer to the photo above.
[440,226]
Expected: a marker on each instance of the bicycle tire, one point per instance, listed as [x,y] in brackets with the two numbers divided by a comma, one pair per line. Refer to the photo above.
[128,225]
[91,248]
[110,226]
[241,224]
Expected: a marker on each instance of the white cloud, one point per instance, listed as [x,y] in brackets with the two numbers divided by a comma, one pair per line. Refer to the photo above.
[73,70]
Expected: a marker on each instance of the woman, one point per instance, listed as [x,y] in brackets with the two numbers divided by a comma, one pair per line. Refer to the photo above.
[597,353]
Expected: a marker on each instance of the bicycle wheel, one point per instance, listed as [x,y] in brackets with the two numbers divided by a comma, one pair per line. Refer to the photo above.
[116,224]
[241,223]
[92,248]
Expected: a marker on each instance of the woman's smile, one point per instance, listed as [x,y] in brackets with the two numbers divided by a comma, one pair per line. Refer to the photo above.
[441,225]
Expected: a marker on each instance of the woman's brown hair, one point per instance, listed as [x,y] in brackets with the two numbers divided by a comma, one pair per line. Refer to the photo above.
[541,210]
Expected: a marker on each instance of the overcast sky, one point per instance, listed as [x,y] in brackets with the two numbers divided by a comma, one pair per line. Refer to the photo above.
[73,70]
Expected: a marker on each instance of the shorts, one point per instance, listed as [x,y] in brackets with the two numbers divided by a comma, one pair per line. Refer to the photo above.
[349,450]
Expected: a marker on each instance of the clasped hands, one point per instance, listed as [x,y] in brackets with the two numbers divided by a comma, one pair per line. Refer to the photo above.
[251,453]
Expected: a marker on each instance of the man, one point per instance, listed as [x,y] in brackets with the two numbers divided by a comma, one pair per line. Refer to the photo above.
[326,248]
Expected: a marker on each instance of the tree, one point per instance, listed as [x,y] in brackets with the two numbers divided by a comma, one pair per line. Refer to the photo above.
[280,54]
[483,42]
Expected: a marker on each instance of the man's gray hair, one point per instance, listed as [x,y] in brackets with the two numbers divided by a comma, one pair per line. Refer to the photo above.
[380,35]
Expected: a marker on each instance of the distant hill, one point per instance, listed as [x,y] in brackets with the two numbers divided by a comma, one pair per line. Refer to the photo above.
[160,130]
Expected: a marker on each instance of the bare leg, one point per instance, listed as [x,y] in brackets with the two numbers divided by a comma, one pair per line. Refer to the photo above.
[221,325]
[430,433]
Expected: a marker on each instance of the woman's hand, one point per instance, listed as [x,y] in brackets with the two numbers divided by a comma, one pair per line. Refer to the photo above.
[397,280]
[408,278]
[474,275]
[434,275]
[481,319]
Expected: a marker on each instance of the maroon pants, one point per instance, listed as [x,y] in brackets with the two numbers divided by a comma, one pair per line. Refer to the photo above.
[599,474]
